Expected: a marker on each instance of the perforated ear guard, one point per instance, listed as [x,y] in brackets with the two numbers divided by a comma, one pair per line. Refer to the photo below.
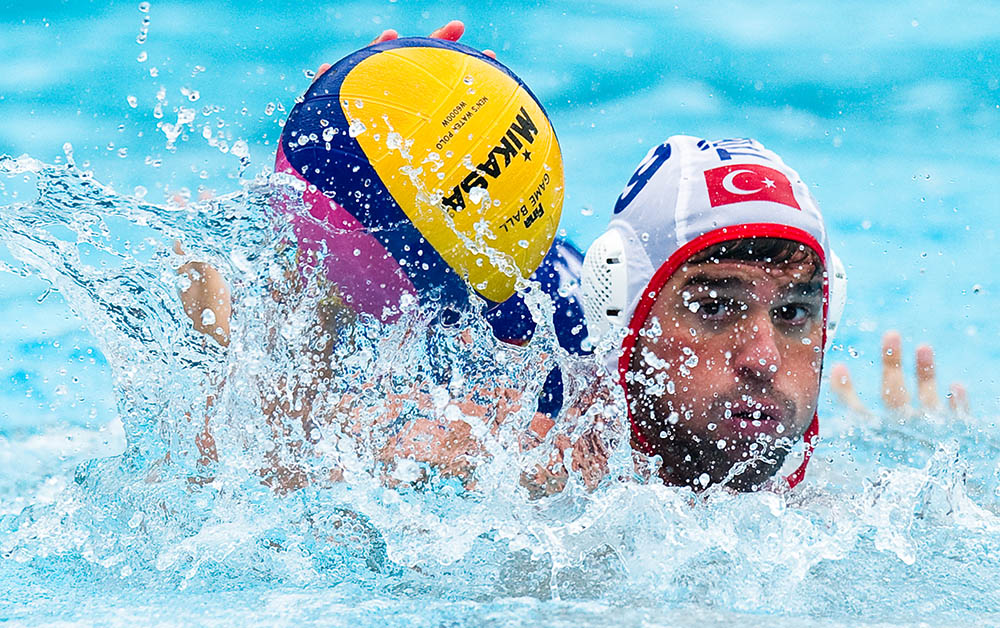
[604,284]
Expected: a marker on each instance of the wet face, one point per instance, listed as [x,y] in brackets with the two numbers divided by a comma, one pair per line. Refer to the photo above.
[726,369]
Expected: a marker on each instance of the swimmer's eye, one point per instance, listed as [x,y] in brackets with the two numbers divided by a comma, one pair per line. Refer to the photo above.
[793,313]
[717,309]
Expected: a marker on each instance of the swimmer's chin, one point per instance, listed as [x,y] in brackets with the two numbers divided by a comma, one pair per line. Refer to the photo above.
[753,471]
[739,471]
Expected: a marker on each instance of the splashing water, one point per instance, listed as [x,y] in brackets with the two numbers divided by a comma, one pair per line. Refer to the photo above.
[255,478]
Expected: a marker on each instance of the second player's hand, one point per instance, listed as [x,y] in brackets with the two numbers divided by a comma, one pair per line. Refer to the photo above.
[895,395]
[452,31]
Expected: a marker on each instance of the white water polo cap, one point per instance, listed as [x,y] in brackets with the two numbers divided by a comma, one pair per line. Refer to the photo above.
[686,195]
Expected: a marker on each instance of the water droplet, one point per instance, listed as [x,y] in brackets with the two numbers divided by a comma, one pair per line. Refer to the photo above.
[241,150]
[207,317]
[467,80]
[269,109]
[394,141]
[144,7]
[357,128]
[142,57]
[976,289]
[477,195]
[587,211]
[132,101]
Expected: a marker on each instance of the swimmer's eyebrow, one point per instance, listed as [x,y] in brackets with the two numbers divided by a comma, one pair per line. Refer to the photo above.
[801,289]
[713,283]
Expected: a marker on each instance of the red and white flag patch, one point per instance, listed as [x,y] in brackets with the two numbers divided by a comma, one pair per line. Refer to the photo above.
[738,183]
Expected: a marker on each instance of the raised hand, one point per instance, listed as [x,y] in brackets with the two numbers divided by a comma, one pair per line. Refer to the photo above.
[452,31]
[895,396]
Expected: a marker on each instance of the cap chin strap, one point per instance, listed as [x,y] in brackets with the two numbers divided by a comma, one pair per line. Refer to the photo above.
[809,439]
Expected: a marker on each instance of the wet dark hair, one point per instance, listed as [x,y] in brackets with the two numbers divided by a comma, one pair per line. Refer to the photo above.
[777,251]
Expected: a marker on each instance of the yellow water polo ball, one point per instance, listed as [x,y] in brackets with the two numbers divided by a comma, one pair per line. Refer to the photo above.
[430,168]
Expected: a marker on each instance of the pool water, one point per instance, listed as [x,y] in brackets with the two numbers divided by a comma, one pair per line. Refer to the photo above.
[890,111]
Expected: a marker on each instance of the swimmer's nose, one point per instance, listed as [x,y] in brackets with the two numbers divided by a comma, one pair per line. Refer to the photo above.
[757,349]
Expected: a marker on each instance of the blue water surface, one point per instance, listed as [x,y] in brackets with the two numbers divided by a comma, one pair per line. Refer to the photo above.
[890,110]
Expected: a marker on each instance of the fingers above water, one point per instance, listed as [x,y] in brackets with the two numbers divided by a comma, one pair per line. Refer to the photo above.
[958,400]
[894,394]
[451,31]
[927,393]
[387,35]
[843,387]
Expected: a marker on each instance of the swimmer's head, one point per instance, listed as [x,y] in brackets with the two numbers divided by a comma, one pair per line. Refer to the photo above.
[718,265]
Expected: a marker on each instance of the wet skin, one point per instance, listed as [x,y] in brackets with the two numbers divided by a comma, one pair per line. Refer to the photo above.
[727,369]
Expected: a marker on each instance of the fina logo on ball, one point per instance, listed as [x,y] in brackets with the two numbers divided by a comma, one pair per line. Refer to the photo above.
[522,128]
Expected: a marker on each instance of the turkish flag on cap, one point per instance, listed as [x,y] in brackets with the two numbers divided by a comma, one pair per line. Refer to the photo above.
[737,183]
